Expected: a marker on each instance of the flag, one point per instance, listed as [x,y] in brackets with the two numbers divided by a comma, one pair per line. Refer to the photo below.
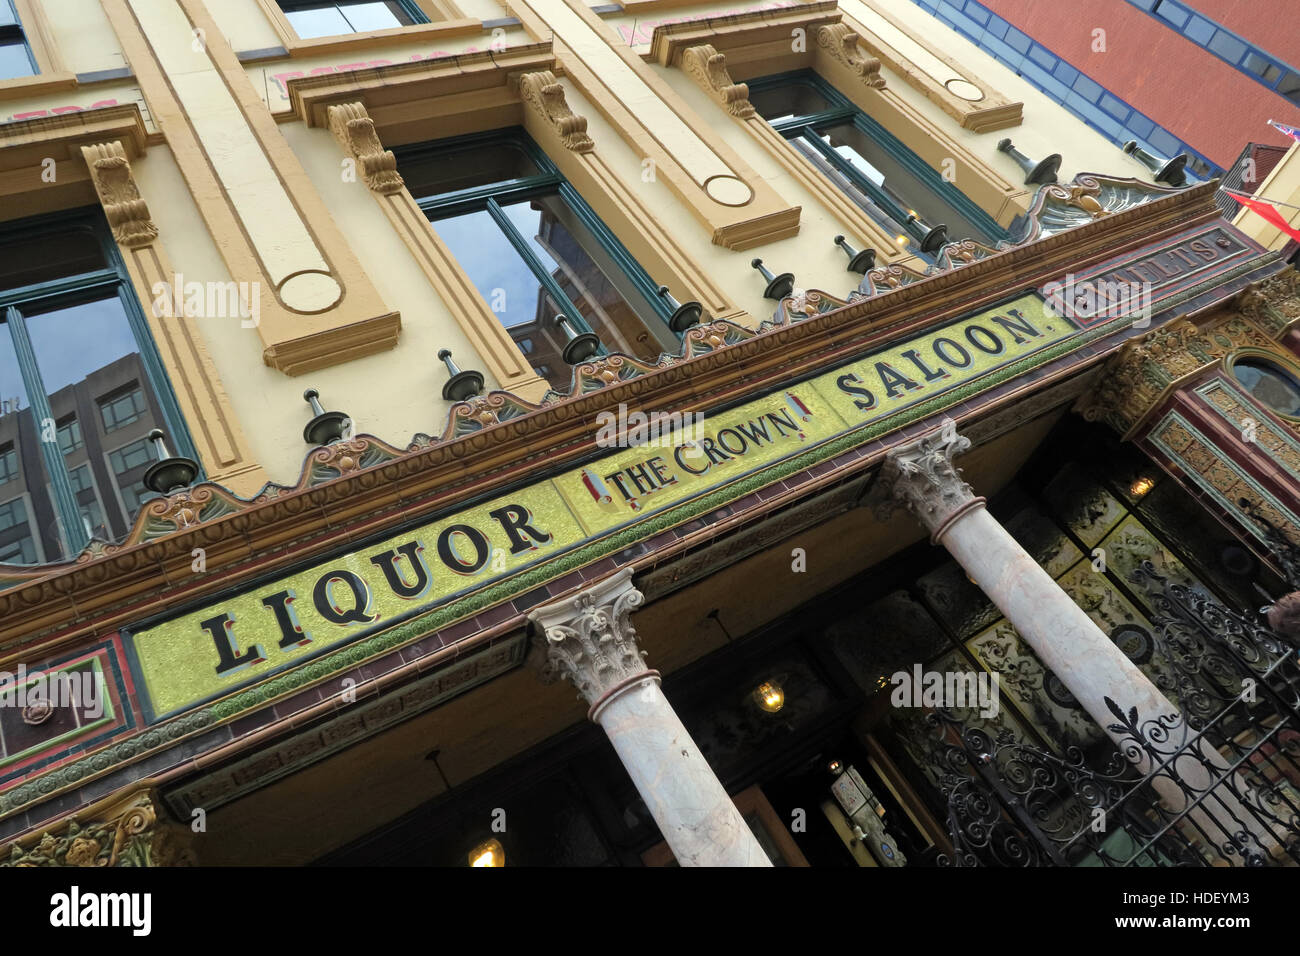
[1268,211]
[1289,130]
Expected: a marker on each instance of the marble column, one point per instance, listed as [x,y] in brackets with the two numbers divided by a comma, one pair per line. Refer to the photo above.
[589,640]
[921,476]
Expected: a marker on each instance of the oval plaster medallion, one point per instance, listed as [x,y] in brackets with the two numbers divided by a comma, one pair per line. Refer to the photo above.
[964,89]
[728,190]
[309,292]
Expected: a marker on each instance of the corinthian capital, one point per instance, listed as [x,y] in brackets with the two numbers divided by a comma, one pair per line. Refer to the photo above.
[589,639]
[921,476]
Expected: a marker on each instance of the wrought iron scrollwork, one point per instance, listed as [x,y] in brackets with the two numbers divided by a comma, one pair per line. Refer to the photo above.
[1218,782]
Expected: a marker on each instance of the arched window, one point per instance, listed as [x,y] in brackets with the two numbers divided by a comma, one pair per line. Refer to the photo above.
[81,385]
[1271,383]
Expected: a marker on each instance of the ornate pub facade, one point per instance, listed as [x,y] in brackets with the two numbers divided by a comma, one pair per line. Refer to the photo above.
[546,432]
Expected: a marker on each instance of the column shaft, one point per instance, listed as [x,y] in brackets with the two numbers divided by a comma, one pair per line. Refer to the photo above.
[590,641]
[1068,642]
[693,811]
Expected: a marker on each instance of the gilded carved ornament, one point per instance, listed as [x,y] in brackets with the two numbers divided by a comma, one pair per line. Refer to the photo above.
[355,130]
[127,214]
[708,68]
[842,44]
[1274,304]
[128,833]
[543,94]
[1135,379]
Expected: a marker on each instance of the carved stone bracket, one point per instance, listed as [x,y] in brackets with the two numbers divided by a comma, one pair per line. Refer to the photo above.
[355,130]
[842,45]
[543,94]
[1274,304]
[127,214]
[921,476]
[126,832]
[708,68]
[589,640]
[1137,377]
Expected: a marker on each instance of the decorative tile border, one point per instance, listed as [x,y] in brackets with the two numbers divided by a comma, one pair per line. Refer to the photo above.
[604,549]
[1217,475]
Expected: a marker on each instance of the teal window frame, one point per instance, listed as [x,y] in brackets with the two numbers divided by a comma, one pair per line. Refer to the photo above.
[113,279]
[549,180]
[808,128]
[13,34]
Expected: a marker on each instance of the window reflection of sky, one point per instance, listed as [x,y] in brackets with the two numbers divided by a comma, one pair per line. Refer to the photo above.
[73,342]
[485,253]
[855,159]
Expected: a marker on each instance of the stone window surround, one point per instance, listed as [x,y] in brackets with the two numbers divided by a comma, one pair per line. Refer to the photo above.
[52,75]
[445,20]
[79,143]
[371,109]
[758,43]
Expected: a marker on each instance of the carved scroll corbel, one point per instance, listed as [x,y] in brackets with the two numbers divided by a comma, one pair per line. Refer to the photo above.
[127,214]
[708,68]
[842,44]
[543,94]
[355,131]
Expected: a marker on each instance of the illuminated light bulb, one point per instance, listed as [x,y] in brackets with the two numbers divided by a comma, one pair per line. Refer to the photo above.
[490,853]
[1141,486]
[901,239]
[770,696]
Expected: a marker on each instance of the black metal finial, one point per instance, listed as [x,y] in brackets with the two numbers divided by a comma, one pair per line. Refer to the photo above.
[326,427]
[859,262]
[170,473]
[1041,173]
[460,385]
[1172,172]
[581,345]
[778,287]
[685,314]
[931,237]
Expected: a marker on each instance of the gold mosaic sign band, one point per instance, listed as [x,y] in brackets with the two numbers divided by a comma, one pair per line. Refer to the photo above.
[209,652]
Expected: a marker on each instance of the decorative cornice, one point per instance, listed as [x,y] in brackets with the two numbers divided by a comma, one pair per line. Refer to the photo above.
[498,439]
[1137,378]
[842,45]
[746,36]
[127,214]
[399,90]
[123,121]
[355,131]
[708,68]
[125,832]
[1088,198]
[1274,303]
[543,94]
